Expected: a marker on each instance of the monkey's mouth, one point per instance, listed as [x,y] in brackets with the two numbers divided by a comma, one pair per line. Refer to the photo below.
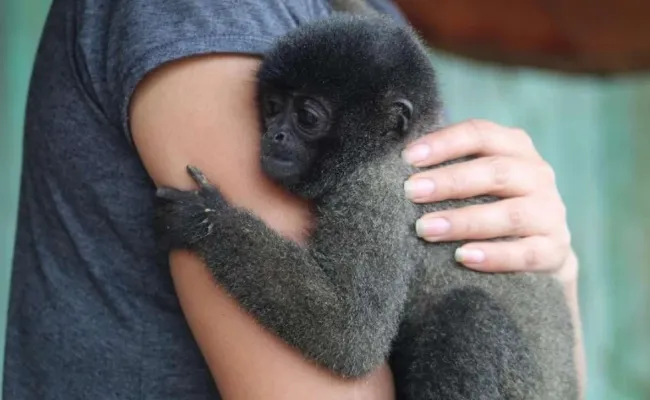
[278,161]
[280,168]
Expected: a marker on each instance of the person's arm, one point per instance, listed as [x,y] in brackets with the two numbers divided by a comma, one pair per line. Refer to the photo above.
[201,111]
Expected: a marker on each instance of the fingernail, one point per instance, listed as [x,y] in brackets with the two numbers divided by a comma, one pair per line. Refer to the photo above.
[418,188]
[416,153]
[469,256]
[431,226]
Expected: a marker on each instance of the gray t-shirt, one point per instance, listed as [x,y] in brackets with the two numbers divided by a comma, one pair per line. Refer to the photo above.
[93,313]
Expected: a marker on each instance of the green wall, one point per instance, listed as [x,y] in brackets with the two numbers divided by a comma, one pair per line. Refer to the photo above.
[20,25]
[596,133]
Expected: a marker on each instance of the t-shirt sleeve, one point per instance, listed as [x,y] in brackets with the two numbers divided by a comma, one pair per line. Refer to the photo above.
[141,35]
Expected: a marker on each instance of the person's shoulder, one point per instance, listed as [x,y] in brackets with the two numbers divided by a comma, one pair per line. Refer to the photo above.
[389,8]
[197,20]
[119,42]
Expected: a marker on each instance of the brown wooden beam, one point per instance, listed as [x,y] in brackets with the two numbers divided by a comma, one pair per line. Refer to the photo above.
[585,36]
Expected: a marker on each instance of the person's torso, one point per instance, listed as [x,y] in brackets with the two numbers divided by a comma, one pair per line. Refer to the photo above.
[93,313]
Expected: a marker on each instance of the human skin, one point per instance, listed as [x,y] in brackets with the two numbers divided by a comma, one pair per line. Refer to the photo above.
[201,111]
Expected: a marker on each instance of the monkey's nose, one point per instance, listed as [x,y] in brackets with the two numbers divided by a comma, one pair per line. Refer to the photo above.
[279,137]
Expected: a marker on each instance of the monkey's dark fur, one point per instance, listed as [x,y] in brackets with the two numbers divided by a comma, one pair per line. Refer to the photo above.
[339,100]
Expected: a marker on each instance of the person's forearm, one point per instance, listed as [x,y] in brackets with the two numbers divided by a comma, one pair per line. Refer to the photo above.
[248,362]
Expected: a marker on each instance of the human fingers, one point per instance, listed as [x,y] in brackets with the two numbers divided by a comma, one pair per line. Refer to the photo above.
[495,175]
[533,254]
[473,137]
[516,217]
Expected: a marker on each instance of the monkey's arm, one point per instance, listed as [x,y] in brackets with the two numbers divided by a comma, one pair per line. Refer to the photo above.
[329,307]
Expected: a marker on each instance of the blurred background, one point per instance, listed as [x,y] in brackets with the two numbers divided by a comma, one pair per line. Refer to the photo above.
[570,72]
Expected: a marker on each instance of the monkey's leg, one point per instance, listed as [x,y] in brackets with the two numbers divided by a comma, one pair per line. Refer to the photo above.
[347,326]
[466,347]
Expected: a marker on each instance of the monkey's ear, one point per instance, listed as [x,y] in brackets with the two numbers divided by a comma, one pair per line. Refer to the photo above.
[404,111]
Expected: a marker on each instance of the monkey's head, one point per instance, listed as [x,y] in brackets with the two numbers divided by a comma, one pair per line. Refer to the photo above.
[340,93]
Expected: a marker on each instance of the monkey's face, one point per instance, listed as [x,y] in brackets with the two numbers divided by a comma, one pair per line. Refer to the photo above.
[295,127]
[310,141]
[338,95]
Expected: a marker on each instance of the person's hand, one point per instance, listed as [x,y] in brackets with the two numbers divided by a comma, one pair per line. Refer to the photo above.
[508,166]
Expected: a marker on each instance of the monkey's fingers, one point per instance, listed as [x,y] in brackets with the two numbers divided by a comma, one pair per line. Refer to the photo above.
[170,194]
[210,196]
[198,177]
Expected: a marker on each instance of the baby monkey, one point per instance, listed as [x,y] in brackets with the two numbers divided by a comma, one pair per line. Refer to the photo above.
[339,99]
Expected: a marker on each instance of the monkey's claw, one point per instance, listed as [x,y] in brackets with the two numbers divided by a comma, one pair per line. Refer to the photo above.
[198,177]
[170,194]
[186,217]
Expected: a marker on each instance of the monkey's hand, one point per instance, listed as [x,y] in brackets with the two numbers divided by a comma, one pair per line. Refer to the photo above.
[181,215]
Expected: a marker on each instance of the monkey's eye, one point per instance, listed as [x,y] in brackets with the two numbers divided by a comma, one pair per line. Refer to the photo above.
[311,117]
[307,118]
